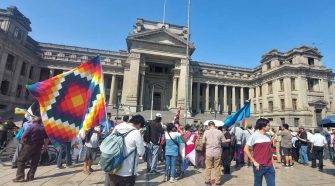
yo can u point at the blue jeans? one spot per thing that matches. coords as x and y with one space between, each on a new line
152 157
170 166
303 154
268 172
238 154
68 159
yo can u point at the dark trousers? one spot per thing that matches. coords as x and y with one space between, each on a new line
66 147
3 138
317 154
28 152
116 180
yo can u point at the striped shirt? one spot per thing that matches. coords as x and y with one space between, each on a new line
261 144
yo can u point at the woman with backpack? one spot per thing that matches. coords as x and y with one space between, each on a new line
172 141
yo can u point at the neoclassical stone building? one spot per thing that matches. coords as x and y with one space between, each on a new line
292 87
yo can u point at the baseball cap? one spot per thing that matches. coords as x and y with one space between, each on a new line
159 115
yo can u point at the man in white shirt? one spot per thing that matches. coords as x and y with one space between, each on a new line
126 175
318 143
238 132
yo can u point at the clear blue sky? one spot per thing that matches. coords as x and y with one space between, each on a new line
230 32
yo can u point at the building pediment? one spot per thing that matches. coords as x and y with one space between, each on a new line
318 103
159 36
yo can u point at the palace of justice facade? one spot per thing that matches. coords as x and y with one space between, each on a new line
292 87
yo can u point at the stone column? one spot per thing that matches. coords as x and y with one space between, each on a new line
233 99
131 82
207 98
216 97
198 98
112 91
36 73
3 61
15 79
225 99
242 96
302 88
288 95
52 73
276 100
173 97
251 98
190 90
142 89
181 83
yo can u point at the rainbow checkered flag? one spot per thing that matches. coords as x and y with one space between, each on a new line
71 101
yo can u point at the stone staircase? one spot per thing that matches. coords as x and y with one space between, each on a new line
168 116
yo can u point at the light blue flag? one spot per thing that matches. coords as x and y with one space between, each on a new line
231 120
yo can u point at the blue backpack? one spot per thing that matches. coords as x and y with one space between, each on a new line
112 152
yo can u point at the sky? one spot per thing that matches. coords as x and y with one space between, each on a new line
229 32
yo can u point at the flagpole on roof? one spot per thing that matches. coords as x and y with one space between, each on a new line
187 62
164 12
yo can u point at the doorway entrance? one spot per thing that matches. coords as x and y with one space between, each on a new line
318 115
157 101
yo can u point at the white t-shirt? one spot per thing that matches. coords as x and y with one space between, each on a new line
132 140
318 140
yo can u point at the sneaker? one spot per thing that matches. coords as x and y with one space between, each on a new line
172 180
165 179
286 166
19 180
61 167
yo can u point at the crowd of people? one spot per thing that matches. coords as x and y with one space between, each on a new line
207 147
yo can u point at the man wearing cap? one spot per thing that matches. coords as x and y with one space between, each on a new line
155 134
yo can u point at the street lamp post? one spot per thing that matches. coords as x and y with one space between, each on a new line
187 62
152 100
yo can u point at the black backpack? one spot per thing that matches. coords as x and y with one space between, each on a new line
146 134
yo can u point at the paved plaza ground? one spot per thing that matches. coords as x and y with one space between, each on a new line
50 175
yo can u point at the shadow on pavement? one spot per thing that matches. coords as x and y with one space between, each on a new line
58 174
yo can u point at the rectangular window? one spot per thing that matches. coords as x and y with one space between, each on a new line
282 104
26 94
255 108
254 92
310 61
270 106
18 91
281 81
10 62
23 69
294 104
282 120
4 87
313 84
270 88
293 84
260 90
119 84
18 33
31 71
268 65
296 122
261 107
